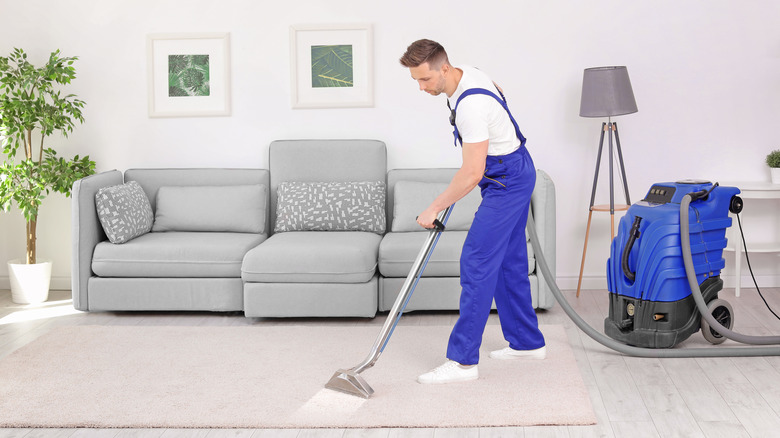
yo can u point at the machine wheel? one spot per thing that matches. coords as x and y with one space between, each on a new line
724 314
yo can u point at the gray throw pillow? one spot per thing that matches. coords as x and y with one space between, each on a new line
331 206
412 197
124 211
237 209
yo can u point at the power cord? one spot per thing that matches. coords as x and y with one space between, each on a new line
747 258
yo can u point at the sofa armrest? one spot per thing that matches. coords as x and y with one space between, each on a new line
86 231
543 210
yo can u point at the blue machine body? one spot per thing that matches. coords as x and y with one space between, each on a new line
656 254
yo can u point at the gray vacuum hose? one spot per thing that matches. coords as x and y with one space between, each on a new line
694 283
628 349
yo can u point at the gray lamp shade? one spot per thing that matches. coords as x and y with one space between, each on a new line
606 92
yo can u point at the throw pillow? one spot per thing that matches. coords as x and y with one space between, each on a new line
412 197
124 211
331 206
237 209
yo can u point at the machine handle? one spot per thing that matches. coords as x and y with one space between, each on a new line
436 224
633 234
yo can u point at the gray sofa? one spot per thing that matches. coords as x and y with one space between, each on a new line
289 273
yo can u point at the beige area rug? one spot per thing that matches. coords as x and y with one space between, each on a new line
273 377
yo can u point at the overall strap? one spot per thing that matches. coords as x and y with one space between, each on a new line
501 100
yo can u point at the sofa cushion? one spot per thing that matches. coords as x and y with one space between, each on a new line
176 254
412 197
313 257
398 252
238 209
124 211
331 206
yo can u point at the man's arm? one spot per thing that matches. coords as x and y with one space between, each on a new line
465 179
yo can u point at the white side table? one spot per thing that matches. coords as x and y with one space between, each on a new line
750 190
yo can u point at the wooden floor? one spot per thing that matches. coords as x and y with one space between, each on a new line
632 397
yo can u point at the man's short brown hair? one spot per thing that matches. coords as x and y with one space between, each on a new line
422 51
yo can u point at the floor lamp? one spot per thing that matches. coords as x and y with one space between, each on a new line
606 92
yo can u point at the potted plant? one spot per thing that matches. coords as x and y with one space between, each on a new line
31 104
773 160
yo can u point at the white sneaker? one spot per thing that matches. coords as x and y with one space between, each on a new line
510 353
450 372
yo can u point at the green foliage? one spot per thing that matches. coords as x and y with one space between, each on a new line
331 66
27 183
188 75
28 100
30 103
773 159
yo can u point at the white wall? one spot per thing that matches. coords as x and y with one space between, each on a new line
706 75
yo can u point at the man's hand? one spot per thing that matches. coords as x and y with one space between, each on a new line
426 218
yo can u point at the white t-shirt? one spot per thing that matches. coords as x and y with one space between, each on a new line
480 117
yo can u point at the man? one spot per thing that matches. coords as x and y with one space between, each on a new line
493 263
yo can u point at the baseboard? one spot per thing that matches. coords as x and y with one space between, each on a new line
57 283
564 283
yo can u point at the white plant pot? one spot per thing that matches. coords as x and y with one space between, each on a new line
29 283
775 172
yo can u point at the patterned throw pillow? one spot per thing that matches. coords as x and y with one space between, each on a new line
331 206
124 211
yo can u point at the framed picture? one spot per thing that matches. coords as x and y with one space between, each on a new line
331 66
189 74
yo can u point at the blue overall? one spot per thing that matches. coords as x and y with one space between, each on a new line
494 260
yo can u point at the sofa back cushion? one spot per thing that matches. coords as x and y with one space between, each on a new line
331 206
237 209
325 161
152 179
462 214
412 197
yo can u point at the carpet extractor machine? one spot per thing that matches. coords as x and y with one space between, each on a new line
663 276
650 302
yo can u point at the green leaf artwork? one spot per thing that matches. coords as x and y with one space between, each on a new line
188 75
331 66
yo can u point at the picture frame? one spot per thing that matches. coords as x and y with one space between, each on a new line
331 66
188 74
